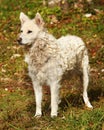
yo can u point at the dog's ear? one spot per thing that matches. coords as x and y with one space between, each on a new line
39 20
23 17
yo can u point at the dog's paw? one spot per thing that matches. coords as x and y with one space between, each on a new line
89 105
38 115
53 115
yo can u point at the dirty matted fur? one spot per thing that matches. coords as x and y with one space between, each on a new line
49 58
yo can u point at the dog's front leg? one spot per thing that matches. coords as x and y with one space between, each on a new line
38 98
54 87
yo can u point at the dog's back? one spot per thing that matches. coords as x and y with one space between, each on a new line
72 49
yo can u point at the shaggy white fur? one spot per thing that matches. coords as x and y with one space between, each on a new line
49 59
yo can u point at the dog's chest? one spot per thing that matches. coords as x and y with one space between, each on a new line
26 58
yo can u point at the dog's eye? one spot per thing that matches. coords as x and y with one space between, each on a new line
21 31
29 31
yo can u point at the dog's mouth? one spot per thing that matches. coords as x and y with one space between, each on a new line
26 46
19 40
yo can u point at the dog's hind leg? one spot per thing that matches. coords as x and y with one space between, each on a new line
85 67
38 98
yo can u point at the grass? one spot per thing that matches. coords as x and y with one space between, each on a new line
17 104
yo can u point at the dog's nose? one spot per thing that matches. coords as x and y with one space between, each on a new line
19 40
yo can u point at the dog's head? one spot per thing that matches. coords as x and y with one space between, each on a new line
30 28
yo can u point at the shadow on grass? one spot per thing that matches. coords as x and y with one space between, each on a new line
71 100
95 94
76 100
68 100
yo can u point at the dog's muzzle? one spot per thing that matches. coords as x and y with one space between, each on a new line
19 40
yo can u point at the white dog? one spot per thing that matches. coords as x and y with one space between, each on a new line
49 59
